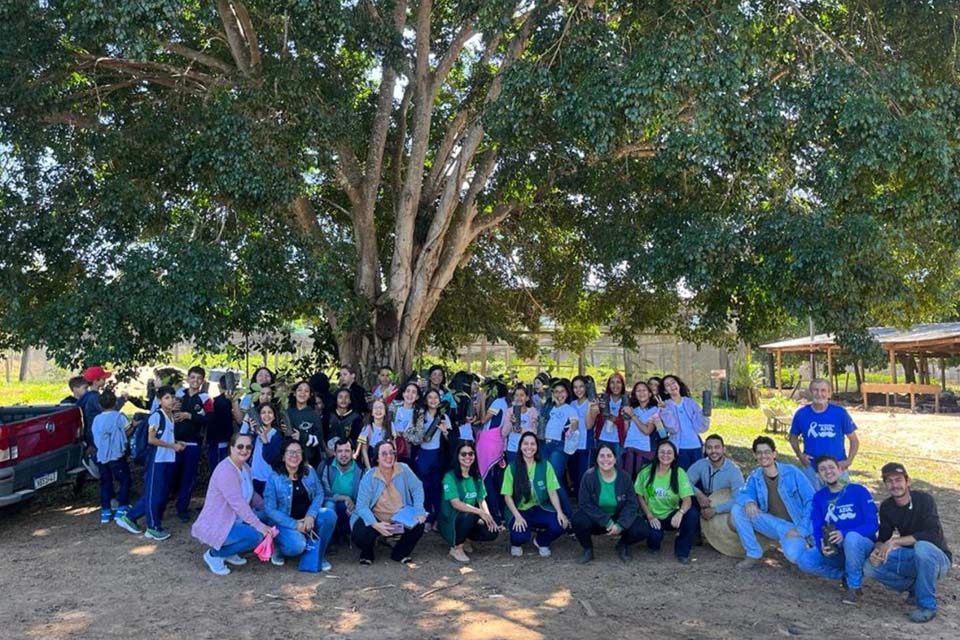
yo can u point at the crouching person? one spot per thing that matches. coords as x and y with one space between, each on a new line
464 514
293 499
341 477
227 522
844 529
917 556
607 505
389 503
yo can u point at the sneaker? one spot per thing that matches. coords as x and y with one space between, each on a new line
120 512
458 554
748 563
216 564
544 551
235 560
366 562
684 560
467 547
106 515
126 523
922 615
326 566
516 552
406 560
586 556
277 559
156 534
851 596
622 552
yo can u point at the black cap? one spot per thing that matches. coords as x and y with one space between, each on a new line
892 469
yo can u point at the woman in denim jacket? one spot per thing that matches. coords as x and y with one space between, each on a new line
293 500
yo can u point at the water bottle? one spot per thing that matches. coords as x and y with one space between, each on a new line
707 402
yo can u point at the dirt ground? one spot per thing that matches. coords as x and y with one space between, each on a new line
63 575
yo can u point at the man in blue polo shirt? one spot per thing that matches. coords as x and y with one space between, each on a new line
823 426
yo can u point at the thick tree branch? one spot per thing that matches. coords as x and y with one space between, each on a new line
249 34
199 57
71 119
234 35
450 56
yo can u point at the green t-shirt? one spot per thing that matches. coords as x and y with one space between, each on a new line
473 491
507 488
343 482
660 496
608 496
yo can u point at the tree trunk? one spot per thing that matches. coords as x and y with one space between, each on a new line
909 368
24 364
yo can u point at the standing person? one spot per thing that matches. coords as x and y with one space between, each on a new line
612 426
189 428
775 501
666 498
89 404
656 386
587 412
607 505
262 377
497 424
541 391
464 514
714 473
344 421
684 420
385 389
341 477
529 419
402 411
435 427
563 422
911 553
306 422
389 493
227 523
376 431
358 395
293 501
78 387
823 426
531 492
642 416
158 471
844 520
266 445
220 427
110 430
437 380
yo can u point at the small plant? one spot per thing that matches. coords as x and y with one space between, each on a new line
781 405
746 381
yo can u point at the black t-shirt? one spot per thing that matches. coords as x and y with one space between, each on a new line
220 425
919 519
301 501
192 430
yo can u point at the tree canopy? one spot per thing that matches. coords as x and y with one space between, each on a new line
412 172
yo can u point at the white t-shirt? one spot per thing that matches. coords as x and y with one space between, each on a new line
434 442
401 419
582 406
163 454
635 438
499 408
609 431
513 440
559 418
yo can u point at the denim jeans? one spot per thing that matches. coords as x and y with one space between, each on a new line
188 465
917 568
428 469
216 453
553 453
341 530
541 520
686 532
688 456
493 482
848 561
241 538
769 526
119 471
291 543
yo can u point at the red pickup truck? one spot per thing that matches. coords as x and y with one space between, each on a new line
40 446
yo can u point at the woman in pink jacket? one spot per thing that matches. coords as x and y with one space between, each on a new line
227 523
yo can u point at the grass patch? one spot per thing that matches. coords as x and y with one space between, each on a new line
32 393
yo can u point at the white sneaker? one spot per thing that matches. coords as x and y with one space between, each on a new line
544 551
516 552
277 559
326 566
216 564
236 560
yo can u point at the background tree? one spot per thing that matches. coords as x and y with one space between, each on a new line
389 168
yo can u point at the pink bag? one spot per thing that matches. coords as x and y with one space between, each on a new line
264 550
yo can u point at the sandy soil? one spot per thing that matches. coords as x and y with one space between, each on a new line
63 575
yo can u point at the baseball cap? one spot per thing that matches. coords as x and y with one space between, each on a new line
92 374
892 469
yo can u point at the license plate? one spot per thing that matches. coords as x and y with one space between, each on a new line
48 478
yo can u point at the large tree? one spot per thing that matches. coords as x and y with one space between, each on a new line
405 172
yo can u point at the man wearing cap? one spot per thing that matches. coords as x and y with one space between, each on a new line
844 530
824 426
89 402
917 556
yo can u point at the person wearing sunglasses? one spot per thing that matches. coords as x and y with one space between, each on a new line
294 503
227 524
464 514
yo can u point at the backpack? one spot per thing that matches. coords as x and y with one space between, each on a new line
140 443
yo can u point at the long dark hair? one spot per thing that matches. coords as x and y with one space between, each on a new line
474 471
633 396
311 399
623 383
336 399
563 382
674 466
387 419
609 447
253 378
521 479
443 382
280 467
684 389
572 396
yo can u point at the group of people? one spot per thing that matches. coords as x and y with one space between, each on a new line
477 459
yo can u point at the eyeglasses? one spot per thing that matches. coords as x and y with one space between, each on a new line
294 454
243 447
